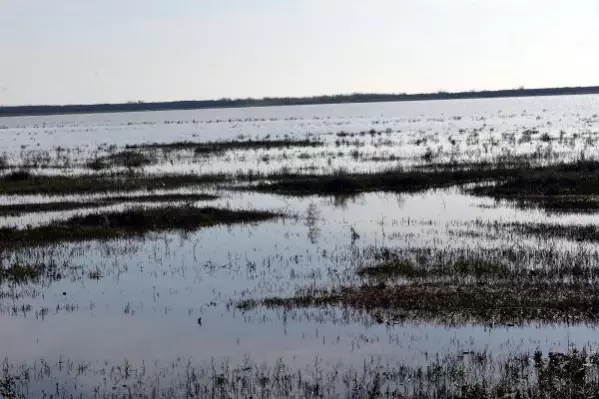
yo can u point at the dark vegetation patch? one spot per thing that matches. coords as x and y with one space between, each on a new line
462 265
19 273
218 147
561 203
391 180
579 233
459 286
540 230
18 209
127 159
24 182
454 304
129 223
564 186
576 178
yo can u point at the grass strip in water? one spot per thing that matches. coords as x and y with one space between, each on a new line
129 223
390 180
218 147
128 159
454 304
24 182
19 209
575 178
461 286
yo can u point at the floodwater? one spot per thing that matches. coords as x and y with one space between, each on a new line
170 298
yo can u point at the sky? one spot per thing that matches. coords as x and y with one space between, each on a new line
86 51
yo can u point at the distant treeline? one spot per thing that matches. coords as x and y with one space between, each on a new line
280 101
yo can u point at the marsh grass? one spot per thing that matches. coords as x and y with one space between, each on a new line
572 373
19 209
503 303
576 178
27 183
459 286
389 180
219 147
129 223
19 273
560 203
127 159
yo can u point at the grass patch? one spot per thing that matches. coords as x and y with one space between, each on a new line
19 273
218 147
565 186
127 159
461 286
130 223
462 267
546 230
576 178
391 180
27 183
19 209
455 304
560 203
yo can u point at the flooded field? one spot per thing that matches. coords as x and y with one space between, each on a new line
423 249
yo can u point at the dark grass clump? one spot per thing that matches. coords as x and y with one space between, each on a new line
18 176
461 286
455 304
127 159
561 204
576 178
512 180
130 223
219 147
539 230
580 233
19 209
86 184
391 180
429 268
19 273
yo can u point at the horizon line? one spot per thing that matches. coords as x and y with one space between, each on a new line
228 102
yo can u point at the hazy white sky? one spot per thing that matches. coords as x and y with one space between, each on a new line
85 51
